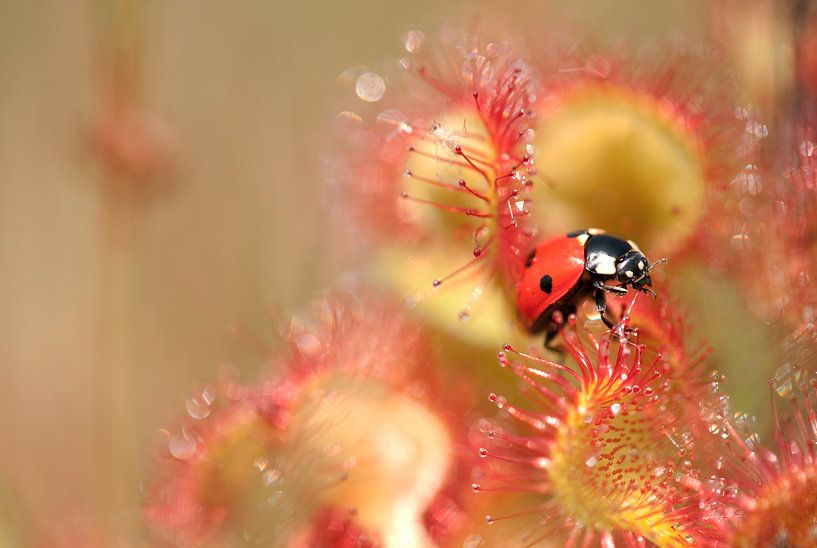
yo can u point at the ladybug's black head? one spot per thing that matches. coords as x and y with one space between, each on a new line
633 269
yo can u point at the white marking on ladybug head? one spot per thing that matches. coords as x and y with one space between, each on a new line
641 265
629 274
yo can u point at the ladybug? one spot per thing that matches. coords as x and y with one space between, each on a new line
563 271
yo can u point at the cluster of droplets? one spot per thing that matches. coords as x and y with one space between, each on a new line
227 453
772 205
770 492
737 202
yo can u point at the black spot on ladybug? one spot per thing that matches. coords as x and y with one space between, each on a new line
576 233
529 260
546 284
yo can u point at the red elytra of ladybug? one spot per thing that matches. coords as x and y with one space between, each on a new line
563 271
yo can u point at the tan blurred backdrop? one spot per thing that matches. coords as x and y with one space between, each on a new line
114 306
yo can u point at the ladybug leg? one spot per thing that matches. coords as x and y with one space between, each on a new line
601 304
601 301
550 334
554 328
617 289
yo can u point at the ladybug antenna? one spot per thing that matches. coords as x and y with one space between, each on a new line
663 260
649 290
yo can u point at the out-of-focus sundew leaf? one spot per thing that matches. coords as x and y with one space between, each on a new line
612 159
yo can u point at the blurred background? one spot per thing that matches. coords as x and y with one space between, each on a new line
160 194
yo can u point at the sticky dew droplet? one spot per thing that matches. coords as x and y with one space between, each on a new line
181 447
785 379
308 344
198 407
756 129
494 49
472 541
370 87
270 476
542 463
261 463
413 40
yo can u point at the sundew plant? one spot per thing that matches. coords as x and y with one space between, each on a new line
571 299
494 186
